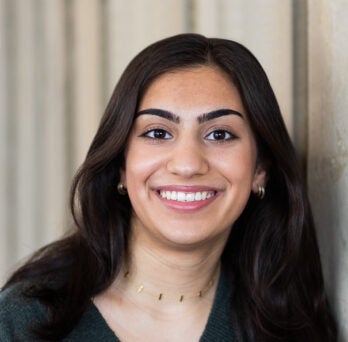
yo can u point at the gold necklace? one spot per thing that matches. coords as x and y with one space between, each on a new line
140 288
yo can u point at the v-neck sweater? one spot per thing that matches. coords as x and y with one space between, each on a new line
19 313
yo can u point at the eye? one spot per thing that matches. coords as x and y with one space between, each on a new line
220 135
157 133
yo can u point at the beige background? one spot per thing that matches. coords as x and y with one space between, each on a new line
60 59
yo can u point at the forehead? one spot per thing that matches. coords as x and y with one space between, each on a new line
205 86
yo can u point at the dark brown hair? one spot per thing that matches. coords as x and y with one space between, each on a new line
271 258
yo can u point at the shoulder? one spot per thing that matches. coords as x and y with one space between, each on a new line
18 314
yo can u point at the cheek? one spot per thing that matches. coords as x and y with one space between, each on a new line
140 165
237 165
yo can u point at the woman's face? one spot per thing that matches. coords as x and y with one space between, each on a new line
190 160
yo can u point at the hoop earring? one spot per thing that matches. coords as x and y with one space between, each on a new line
261 192
122 190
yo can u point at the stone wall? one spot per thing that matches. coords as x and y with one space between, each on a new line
328 144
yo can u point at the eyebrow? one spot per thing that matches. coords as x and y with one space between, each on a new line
216 114
160 112
201 119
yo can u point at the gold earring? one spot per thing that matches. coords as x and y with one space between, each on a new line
261 192
122 190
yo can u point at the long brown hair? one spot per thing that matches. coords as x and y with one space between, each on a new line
271 258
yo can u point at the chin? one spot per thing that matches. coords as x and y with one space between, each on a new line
179 239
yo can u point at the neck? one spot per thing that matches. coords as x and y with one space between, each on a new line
172 277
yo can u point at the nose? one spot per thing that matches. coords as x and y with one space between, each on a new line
187 159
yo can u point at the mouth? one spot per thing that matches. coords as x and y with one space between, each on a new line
186 198
181 196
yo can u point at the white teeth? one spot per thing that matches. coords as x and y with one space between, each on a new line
186 197
173 195
198 196
190 197
180 197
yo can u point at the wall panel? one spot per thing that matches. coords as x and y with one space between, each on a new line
134 25
87 60
328 145
4 229
27 132
54 179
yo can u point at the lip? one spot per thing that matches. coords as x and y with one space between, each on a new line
186 206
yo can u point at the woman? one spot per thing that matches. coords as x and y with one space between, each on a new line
209 235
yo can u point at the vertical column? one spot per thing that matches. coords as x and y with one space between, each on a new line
54 136
208 18
32 132
4 222
300 81
26 129
328 145
132 25
87 107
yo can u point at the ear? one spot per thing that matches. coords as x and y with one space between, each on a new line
260 178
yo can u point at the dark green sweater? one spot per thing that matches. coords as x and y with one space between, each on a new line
18 313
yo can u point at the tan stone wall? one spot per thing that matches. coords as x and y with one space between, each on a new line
328 144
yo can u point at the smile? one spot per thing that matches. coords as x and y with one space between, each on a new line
181 196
